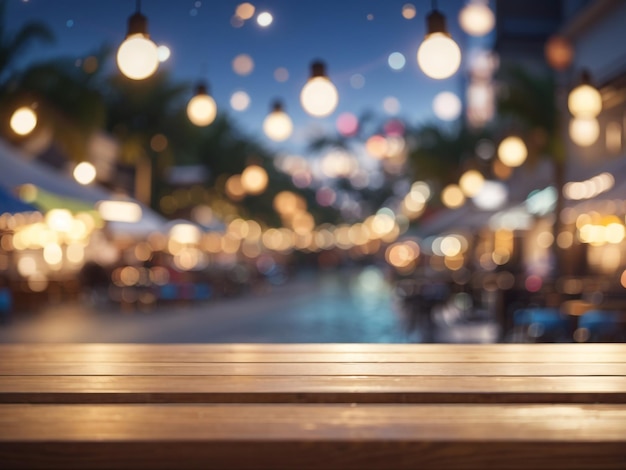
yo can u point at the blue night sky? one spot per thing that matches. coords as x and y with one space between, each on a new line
204 43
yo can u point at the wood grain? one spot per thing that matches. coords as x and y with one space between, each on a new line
313 436
314 389
311 369
320 406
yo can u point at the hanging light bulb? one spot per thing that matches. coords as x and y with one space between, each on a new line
512 151
23 120
201 109
584 131
137 56
319 96
438 56
585 100
277 125
476 18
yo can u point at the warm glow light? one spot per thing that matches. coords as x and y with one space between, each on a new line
471 182
138 57
319 96
243 64
452 196
185 234
584 101
277 125
264 19
23 121
477 19
201 109
408 11
245 11
584 131
163 53
377 146
59 220
234 189
439 56
512 151
240 100
84 173
447 106
119 211
493 195
559 52
254 179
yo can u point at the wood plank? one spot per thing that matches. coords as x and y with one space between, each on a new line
159 354
310 369
316 389
616 349
313 436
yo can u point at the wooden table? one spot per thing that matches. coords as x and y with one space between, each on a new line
313 406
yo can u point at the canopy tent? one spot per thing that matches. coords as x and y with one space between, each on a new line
17 170
12 205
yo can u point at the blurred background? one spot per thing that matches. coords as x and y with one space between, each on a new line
312 171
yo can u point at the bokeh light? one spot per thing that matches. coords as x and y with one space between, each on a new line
409 11
452 196
396 61
319 97
559 52
439 56
347 124
447 106
584 131
163 53
243 64
391 105
377 146
264 19
201 109
278 125
357 81
23 121
84 173
476 18
281 74
240 100
512 151
471 182
254 179
492 195
245 11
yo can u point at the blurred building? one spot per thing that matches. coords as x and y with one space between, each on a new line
595 167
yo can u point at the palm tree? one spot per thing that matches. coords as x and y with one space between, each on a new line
440 153
70 104
138 111
13 48
14 45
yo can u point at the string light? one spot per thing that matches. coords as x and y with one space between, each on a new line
319 96
137 56
438 56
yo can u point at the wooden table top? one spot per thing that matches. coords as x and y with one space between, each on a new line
311 406
320 373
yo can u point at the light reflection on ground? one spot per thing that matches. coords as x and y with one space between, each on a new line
339 306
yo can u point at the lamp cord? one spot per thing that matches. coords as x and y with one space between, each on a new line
434 4
138 3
